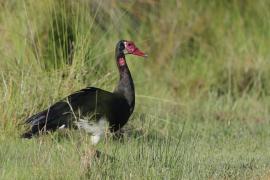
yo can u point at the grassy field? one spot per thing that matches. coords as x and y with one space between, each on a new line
202 97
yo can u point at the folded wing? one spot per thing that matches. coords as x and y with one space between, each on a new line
90 101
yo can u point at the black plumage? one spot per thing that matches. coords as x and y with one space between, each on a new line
93 103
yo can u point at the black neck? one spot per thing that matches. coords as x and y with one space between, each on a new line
125 85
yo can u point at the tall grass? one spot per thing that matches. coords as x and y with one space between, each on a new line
202 96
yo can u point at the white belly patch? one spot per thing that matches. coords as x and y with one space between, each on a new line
96 129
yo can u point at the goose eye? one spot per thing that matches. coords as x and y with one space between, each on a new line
122 46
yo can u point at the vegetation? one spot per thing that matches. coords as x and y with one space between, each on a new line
202 97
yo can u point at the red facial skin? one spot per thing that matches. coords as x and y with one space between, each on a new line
122 61
132 49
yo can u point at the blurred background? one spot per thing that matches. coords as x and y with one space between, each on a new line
197 50
208 63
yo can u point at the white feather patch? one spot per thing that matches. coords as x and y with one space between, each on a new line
96 129
62 127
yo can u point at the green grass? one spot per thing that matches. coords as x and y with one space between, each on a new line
202 97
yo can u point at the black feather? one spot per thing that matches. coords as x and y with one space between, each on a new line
88 101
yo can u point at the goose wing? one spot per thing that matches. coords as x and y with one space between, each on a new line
85 102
